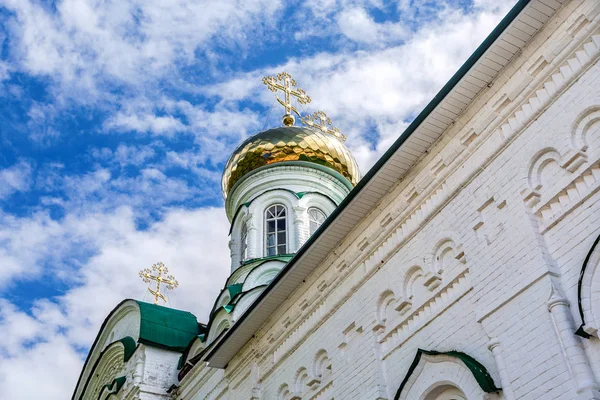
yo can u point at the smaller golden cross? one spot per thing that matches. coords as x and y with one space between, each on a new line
321 121
158 273
284 82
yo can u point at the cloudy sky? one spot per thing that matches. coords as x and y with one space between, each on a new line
116 117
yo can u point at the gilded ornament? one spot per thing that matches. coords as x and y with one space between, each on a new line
321 121
285 83
158 273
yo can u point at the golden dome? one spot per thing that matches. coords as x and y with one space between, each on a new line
289 143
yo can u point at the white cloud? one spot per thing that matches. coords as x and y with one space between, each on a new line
43 342
214 132
148 190
356 24
144 122
16 178
124 155
50 362
86 45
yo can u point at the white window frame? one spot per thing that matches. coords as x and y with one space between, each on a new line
244 242
311 220
277 231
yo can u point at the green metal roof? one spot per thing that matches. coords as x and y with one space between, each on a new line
166 327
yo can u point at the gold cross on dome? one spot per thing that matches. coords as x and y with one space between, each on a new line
158 273
321 121
284 82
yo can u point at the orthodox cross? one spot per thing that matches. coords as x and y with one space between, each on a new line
321 121
158 273
284 82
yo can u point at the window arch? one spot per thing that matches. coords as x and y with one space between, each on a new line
316 218
446 392
276 230
244 243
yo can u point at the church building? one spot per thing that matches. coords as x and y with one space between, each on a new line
463 265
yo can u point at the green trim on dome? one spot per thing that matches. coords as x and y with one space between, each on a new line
299 163
278 257
166 327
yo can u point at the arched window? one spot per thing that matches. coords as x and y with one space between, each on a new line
276 230
446 393
316 218
244 243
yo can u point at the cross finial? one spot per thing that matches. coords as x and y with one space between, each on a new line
284 82
321 121
158 273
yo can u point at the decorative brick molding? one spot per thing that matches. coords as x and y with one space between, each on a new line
409 320
314 384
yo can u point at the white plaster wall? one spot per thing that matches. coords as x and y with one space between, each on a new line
160 372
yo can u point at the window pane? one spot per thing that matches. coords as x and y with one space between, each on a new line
281 249
270 226
281 238
281 224
313 227
271 251
270 239
316 218
244 243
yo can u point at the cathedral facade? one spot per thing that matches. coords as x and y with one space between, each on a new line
461 266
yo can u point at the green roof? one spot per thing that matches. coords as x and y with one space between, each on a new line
166 327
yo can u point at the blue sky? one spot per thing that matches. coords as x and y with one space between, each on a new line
116 118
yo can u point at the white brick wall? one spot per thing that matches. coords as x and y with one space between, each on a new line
486 254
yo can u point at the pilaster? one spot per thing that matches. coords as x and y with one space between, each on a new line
577 362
